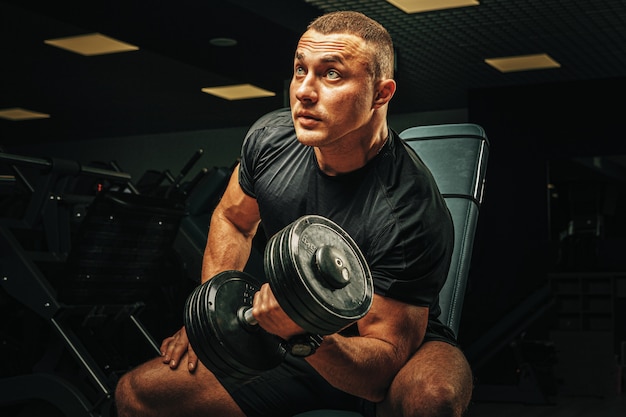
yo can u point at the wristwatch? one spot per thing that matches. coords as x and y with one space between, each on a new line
303 345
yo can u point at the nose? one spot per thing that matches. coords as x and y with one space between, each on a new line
305 88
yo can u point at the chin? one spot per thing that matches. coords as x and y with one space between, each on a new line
309 137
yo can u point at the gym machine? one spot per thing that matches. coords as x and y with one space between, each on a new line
84 253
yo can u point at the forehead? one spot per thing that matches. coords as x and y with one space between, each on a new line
342 45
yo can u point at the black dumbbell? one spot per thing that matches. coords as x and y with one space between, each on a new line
319 277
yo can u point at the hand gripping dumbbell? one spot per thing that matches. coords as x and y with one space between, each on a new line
319 277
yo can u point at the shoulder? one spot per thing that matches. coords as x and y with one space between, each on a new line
269 147
402 171
271 131
276 118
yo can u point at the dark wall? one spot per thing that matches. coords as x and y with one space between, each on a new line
530 130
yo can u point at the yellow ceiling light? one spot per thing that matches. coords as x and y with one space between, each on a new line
418 6
91 44
238 92
17 113
523 63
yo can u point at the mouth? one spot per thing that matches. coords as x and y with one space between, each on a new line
307 116
307 120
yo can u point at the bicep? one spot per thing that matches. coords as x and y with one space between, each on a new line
238 208
233 225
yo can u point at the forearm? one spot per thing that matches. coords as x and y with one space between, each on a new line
365 365
358 365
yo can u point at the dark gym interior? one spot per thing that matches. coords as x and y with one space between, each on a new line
544 315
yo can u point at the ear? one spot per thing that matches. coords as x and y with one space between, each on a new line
384 92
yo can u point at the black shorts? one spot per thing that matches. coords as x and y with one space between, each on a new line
295 387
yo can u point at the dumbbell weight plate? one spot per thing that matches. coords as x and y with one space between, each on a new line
223 342
319 302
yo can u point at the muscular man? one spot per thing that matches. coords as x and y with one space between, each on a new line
332 154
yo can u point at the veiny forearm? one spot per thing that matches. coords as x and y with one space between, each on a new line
358 365
365 365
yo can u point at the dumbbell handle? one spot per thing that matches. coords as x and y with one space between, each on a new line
330 265
245 316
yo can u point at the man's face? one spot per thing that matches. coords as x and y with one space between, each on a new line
331 92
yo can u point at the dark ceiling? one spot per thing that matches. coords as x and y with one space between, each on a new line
158 88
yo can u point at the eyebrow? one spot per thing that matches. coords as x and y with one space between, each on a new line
329 57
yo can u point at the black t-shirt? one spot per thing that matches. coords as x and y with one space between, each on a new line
391 207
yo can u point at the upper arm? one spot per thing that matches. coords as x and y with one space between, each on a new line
233 225
238 208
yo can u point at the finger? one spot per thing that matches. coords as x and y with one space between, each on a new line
192 359
256 304
178 348
164 348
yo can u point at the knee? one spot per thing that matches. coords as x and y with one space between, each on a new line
440 399
125 398
427 397
122 395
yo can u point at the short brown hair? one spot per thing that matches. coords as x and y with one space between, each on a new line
368 29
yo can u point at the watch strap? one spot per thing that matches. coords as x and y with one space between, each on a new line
296 345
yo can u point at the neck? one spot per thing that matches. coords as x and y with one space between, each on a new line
350 154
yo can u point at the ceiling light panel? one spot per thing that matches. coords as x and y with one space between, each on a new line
91 44
523 63
238 92
419 6
17 113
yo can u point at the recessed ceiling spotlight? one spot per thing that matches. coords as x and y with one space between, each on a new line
223 42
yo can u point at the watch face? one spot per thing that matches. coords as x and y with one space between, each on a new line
301 349
303 345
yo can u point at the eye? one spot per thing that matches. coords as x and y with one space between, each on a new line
332 74
299 71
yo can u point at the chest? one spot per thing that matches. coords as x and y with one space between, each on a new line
295 187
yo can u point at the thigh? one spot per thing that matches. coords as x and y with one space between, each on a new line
291 388
155 389
437 376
